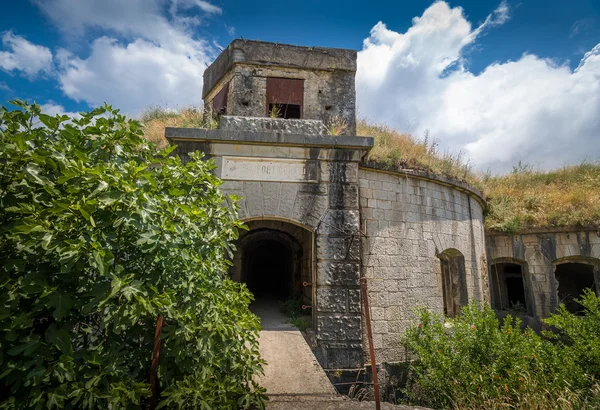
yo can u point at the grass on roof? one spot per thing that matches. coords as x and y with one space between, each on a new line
156 119
528 198
397 150
525 198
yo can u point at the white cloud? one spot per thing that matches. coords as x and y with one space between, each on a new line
4 86
51 108
24 56
134 76
160 62
531 109
208 7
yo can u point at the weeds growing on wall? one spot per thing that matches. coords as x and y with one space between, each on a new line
102 234
473 362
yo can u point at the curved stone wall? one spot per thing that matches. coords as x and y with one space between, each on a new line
421 237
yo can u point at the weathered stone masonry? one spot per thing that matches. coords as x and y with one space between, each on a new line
408 221
327 207
539 253
417 238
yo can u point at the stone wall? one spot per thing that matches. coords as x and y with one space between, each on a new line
407 223
539 252
326 93
326 204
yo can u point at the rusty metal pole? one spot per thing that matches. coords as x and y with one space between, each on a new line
154 365
365 298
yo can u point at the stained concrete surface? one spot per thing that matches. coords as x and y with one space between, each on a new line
293 377
291 366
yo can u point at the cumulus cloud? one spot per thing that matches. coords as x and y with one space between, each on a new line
51 108
532 109
133 76
24 56
159 62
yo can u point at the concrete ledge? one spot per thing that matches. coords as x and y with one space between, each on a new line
263 138
543 230
266 124
429 176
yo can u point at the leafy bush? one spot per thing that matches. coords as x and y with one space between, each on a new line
101 235
473 362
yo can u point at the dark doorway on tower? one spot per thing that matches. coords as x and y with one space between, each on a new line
573 278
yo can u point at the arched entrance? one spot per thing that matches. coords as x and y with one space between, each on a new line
510 286
454 281
275 260
573 275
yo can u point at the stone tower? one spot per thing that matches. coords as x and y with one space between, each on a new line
251 78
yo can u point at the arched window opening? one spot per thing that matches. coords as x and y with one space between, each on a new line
509 289
573 278
454 281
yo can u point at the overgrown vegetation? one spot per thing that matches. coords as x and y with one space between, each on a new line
299 317
471 362
156 119
526 198
102 235
398 150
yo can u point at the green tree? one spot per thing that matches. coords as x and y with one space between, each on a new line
101 234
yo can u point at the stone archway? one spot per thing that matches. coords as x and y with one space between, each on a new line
573 274
275 260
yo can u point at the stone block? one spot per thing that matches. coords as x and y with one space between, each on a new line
345 248
354 301
339 327
271 196
338 273
343 196
332 300
254 198
341 222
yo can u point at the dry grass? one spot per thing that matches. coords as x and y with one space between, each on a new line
398 150
156 119
526 198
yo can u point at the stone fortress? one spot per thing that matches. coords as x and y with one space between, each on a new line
321 217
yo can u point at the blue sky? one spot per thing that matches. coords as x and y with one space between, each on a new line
501 81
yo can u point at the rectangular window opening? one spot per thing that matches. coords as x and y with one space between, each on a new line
287 111
285 97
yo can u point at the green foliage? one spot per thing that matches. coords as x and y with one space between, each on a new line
299 317
100 234
291 307
474 362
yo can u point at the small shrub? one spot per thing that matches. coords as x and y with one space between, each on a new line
336 125
474 362
299 317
